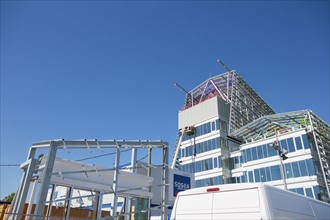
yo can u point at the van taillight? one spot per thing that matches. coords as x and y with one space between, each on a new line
213 189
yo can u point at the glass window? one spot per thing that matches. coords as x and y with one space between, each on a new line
298 143
203 146
251 180
198 183
257 175
254 153
210 163
198 150
293 190
263 177
310 167
219 161
243 179
215 162
206 165
220 179
268 174
182 152
198 166
259 152
309 192
276 173
213 125
271 151
290 145
284 144
191 150
303 168
305 141
288 170
300 191
218 142
317 192
264 149
248 155
206 182
295 169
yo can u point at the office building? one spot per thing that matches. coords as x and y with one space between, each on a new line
229 134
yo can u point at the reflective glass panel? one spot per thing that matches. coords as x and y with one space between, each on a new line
288 170
257 175
305 141
309 192
290 145
263 177
259 152
300 191
284 144
295 169
265 150
310 167
303 168
276 173
254 153
298 143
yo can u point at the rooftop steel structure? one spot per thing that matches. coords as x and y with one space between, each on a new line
246 104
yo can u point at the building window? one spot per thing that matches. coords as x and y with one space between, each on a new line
251 180
288 170
309 192
305 141
295 169
290 145
310 167
303 168
298 143
276 173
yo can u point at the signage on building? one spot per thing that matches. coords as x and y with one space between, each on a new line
180 183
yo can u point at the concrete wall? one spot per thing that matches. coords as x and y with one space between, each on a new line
205 110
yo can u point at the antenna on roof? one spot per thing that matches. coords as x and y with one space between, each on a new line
224 66
182 89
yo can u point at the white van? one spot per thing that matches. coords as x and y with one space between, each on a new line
246 201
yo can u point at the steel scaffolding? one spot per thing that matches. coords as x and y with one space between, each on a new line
245 104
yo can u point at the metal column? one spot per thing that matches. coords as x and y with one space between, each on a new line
115 183
164 182
25 185
133 160
45 181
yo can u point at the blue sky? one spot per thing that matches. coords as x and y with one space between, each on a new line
106 69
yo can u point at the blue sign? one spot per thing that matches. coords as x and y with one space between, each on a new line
180 183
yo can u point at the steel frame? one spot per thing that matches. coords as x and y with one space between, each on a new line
29 168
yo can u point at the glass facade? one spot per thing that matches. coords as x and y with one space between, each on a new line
207 128
202 165
265 150
273 173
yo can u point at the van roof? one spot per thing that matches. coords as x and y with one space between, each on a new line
224 187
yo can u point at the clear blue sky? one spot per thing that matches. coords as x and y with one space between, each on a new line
106 69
